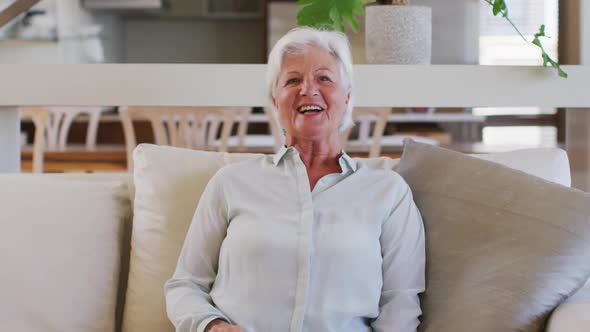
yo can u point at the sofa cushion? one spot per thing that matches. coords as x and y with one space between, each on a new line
548 163
168 184
60 245
572 315
503 248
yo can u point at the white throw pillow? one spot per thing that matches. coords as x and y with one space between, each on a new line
169 182
548 163
60 252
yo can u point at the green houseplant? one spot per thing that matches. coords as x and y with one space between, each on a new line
334 14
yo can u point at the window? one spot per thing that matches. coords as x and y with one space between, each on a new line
499 44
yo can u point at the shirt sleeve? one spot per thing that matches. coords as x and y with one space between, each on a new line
188 303
403 251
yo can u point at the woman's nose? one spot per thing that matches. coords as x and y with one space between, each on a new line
308 88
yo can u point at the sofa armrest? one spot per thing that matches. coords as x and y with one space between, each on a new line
572 315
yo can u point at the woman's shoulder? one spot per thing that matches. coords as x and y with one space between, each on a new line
242 165
385 178
384 170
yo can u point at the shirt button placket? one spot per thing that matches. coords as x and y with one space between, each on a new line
304 245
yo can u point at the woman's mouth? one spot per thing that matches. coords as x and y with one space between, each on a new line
307 109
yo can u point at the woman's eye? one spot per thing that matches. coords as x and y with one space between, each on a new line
325 79
291 81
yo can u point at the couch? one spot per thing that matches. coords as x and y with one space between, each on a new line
90 252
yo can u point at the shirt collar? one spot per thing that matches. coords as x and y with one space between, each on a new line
280 154
345 161
351 163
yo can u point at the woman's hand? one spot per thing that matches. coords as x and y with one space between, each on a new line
219 325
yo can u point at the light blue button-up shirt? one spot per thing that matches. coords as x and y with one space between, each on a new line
268 254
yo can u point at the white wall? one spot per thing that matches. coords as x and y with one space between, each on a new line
35 50
12 51
74 22
193 40
455 30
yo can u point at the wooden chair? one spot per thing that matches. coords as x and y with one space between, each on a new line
187 127
253 142
371 126
61 119
244 142
40 117
275 130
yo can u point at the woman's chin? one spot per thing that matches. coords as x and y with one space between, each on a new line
311 131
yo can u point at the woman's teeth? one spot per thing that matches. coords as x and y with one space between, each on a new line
309 109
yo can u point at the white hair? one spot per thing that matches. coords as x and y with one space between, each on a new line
297 41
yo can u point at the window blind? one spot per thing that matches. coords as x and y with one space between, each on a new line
528 15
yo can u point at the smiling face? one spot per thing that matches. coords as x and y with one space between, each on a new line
310 94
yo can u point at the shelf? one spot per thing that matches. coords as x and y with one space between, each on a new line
436 118
244 85
27 42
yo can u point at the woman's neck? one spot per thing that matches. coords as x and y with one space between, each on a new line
317 153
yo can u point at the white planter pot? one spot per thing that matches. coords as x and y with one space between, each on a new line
398 34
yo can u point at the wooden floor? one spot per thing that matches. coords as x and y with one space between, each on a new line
102 160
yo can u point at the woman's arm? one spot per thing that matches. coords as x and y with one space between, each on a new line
403 251
188 303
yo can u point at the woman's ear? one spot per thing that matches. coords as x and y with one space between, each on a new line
347 98
274 102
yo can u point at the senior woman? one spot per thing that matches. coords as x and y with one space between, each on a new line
308 239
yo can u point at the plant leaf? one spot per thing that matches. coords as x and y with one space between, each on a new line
347 9
330 14
359 8
504 9
354 24
336 17
546 58
316 14
304 2
499 7
541 32
496 7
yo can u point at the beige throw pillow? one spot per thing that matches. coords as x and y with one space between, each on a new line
168 184
504 248
60 252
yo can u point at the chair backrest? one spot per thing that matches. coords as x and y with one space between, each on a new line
367 139
275 129
244 117
60 122
40 118
188 127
